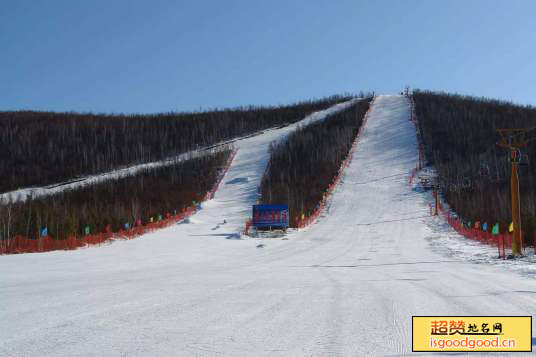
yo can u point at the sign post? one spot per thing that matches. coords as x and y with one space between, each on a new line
270 216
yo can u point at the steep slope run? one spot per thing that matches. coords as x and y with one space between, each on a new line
347 285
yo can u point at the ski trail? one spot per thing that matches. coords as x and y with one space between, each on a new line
238 191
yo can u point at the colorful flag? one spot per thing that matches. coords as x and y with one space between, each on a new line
495 229
44 232
511 227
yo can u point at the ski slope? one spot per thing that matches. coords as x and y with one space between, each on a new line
345 286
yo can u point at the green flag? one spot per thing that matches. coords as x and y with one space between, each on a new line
159 217
495 229
86 230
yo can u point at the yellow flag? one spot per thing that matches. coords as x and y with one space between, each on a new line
511 227
302 216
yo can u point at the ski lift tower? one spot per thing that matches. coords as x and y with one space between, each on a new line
514 140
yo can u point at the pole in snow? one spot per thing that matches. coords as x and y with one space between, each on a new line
513 140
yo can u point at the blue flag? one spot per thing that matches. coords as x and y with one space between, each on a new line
485 227
126 226
44 232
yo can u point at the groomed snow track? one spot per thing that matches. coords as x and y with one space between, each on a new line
345 286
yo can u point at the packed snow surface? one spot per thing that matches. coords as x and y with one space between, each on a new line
345 286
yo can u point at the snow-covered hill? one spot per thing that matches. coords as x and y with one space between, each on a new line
347 285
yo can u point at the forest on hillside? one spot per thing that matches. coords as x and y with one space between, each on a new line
460 140
301 168
42 148
148 195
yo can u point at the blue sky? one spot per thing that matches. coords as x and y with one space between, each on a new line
157 56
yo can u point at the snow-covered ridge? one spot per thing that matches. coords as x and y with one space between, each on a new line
23 194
